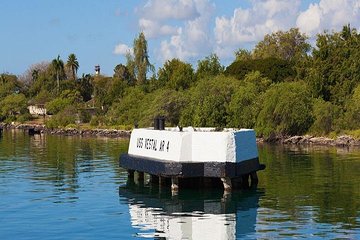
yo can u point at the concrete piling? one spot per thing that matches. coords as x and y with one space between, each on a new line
227 183
174 184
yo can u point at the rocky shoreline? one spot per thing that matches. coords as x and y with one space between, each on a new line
341 141
113 133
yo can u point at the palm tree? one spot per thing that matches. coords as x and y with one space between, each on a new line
73 64
58 65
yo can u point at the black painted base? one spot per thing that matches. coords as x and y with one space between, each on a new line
190 169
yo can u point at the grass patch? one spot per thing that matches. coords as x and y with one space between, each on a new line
354 133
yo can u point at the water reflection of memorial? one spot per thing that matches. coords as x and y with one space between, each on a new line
191 214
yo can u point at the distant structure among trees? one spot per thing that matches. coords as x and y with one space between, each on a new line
97 70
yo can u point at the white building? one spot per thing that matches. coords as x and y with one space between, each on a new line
37 109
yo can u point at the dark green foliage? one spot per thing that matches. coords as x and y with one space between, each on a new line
286 110
277 70
42 97
9 84
12 105
128 109
139 63
67 98
243 55
289 45
209 101
67 84
107 90
247 101
73 64
65 117
352 115
325 115
163 102
335 67
209 67
56 105
176 75
123 73
57 66
12 100
85 87
44 81
115 90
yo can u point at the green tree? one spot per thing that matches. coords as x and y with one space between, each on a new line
101 87
127 110
43 82
107 90
64 117
352 115
123 73
176 75
42 97
247 100
67 98
209 101
209 67
242 55
12 105
58 66
165 102
33 73
289 45
85 87
115 90
73 64
325 115
287 110
334 71
9 84
141 63
275 69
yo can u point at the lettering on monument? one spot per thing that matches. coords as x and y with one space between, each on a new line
153 144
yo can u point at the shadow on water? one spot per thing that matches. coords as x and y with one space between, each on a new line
191 214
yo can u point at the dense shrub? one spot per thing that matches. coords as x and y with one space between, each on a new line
324 115
286 110
209 101
277 70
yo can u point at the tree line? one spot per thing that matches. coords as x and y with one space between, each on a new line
282 87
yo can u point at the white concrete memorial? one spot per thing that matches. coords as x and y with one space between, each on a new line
194 152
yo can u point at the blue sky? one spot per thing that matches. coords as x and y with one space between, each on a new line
102 31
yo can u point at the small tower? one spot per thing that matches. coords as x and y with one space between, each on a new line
97 70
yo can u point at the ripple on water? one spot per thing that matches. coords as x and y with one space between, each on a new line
72 188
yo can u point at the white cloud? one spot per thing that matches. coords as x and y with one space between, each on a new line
169 9
153 29
193 39
309 21
190 30
329 15
122 49
248 26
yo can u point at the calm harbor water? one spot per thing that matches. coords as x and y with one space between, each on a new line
57 187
